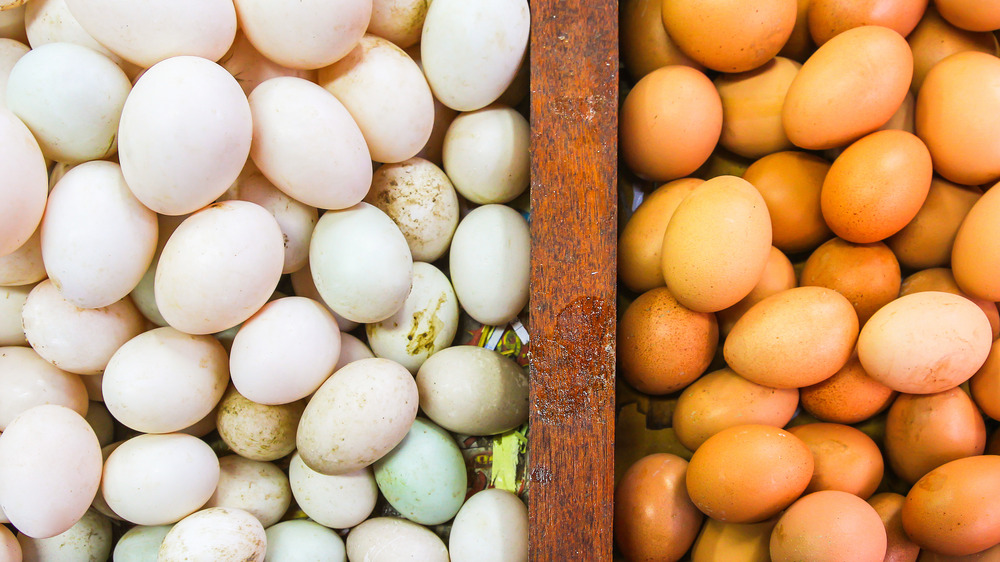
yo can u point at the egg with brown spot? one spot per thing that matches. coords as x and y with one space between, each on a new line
844 458
828 18
866 274
849 396
778 276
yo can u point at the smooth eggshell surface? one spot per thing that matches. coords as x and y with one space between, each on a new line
24 265
12 301
927 240
492 526
399 21
747 542
384 539
25 186
336 501
974 260
485 153
27 380
11 50
215 533
250 68
141 543
845 458
828 526
88 539
751 108
301 539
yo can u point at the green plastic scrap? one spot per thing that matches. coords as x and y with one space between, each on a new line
507 449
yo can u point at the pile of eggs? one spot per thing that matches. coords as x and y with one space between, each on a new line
810 271
166 167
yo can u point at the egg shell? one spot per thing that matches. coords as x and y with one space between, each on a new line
794 338
975 263
942 279
250 68
11 50
471 51
670 122
926 241
25 187
101 422
303 286
925 342
491 526
933 39
970 15
50 21
848 88
12 23
746 542
471 390
259 488
258 431
27 380
141 543
848 396
716 244
24 265
50 468
950 509
11 302
844 458
899 547
399 21
10 549
867 275
357 416
828 18
778 276
489 261
985 384
383 539
88 539
215 533
485 153
351 349
827 526
303 538
645 45
751 108
925 431
337 501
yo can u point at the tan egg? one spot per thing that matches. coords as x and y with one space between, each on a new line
670 123
799 45
716 244
925 431
876 186
645 45
975 261
733 542
748 473
641 241
257 431
849 396
751 108
250 68
972 15
934 39
723 399
848 88
794 338
899 547
24 265
662 345
259 488
828 18
958 117
941 279
845 459
926 241
722 163
778 275
829 526
399 21
985 384
790 183
727 35
904 118
867 274
925 342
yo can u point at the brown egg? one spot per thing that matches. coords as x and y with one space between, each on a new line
645 45
849 396
793 339
779 275
722 399
953 509
927 239
654 518
993 443
733 542
844 458
925 342
829 526
899 547
876 186
934 39
730 35
941 279
799 45
958 117
867 274
924 431
975 257
670 123
663 346
828 18
985 384
748 473
790 183
904 118
634 439
723 163
991 554
751 108
973 15
716 244
641 240
848 88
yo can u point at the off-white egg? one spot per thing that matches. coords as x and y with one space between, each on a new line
258 431
351 350
10 549
185 134
93 385
88 539
140 543
27 380
443 116
50 21
301 540
357 416
203 426
399 21
259 488
384 539
11 302
159 479
214 534
11 51
101 422
50 468
24 265
471 49
25 185
360 263
491 526
490 263
144 295
146 32
306 142
250 68
336 501
164 380
304 286
12 24
486 154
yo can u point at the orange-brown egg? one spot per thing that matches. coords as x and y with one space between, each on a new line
845 459
730 35
876 186
748 473
848 88
779 275
934 39
670 123
829 526
799 45
993 443
899 547
953 509
722 163
974 15
751 108
904 118
927 239
849 396
793 339
828 18
975 256
645 45
985 384
662 345
991 554
941 279
867 274
790 183
733 542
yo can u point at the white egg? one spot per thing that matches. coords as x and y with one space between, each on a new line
306 142
386 539
305 34
486 154
24 265
10 549
399 21
443 116
11 51
140 543
88 539
471 49
258 431
204 426
303 286
27 380
26 183
491 526
357 416
250 68
259 488
352 349
425 324
146 32
50 468
301 540
101 422
214 534
185 134
159 479
219 267
144 295
386 94
336 501
361 263
490 264
11 302
50 21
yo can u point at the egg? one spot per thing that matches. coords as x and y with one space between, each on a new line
258 431
88 539
827 526
25 187
12 23
778 276
399 21
101 422
751 108
645 45
848 396
828 18
974 262
933 39
844 458
303 286
899 547
926 241
985 383
259 488
739 542
215 533
50 21
27 380
303 538
492 521
799 45
942 279
12 300
868 275
485 153
970 15
9 547
24 265
383 539
337 501
141 543
250 68
11 50
351 349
